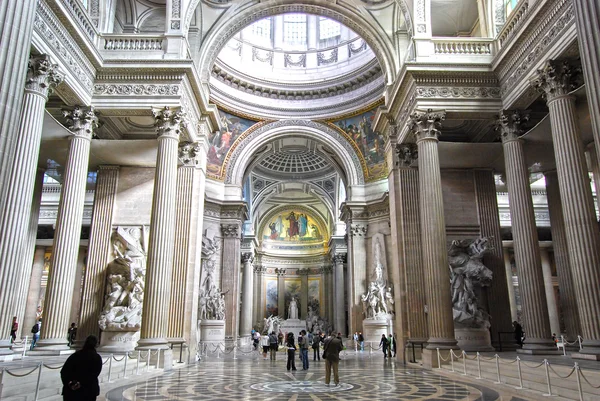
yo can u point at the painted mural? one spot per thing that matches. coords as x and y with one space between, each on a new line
271 299
370 143
292 289
314 295
293 225
220 141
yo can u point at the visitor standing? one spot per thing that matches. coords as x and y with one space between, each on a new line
13 330
35 330
518 333
72 333
304 349
355 339
383 343
316 345
291 352
331 353
273 345
394 344
361 340
390 341
264 342
80 372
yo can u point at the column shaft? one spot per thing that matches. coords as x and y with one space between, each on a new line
247 295
568 300
509 285
527 254
33 296
302 313
65 248
230 278
77 286
549 288
340 317
595 168
358 266
433 239
98 251
160 246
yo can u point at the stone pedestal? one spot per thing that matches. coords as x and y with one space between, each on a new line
374 328
212 331
293 325
118 341
472 340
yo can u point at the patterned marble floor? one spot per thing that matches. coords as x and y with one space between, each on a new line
362 378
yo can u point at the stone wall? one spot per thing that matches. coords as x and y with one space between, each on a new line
134 196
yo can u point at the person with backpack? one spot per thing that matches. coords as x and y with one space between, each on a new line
35 330
316 345
303 343
80 372
13 330
273 344
332 347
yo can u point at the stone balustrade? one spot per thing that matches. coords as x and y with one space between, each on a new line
134 42
81 16
463 46
514 21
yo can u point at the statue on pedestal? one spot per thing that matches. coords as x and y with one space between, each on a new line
293 309
378 301
212 300
125 277
468 275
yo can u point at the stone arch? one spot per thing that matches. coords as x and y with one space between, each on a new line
235 20
240 154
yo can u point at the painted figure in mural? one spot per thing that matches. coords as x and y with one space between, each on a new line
314 231
274 232
302 224
279 225
293 230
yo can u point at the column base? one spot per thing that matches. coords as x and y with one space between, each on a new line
539 346
52 344
152 343
588 357
539 351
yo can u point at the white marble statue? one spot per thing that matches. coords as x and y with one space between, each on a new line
293 309
468 275
378 301
211 305
124 291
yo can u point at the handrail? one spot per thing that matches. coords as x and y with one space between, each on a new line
309 51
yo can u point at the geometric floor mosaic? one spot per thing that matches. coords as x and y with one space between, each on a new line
361 378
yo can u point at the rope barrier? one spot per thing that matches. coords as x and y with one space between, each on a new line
562 377
23 375
119 360
586 380
536 366
52 368
548 378
107 359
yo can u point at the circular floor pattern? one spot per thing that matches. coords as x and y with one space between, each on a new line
258 380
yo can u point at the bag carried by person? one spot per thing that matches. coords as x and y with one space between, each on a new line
35 328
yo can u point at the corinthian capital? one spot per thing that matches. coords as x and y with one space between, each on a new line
247 257
188 153
42 75
426 124
168 121
230 230
339 259
407 153
510 124
358 230
81 121
555 78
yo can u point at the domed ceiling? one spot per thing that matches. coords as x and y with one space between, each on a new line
296 65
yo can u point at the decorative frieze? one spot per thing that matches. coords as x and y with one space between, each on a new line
137 89
459 92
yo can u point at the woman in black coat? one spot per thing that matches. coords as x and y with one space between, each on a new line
80 373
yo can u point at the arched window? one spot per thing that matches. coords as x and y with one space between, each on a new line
294 29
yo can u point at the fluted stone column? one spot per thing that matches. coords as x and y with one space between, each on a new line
409 236
28 252
509 285
42 76
247 294
595 168
426 128
35 285
339 309
281 293
568 302
489 221
98 252
587 21
230 277
549 288
258 310
357 280
77 288
16 28
59 291
329 293
159 265
527 252
183 307
581 226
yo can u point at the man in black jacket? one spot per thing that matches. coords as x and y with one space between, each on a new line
80 373
331 352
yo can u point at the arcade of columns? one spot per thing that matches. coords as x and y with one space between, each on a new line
417 220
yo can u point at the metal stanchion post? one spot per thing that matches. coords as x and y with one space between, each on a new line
478 366
234 352
1 379
370 349
520 375
579 389
137 367
37 386
180 353
110 358
218 349
548 378
438 357
25 346
125 367
451 361
464 355
498 368
157 358
562 339
148 360
579 340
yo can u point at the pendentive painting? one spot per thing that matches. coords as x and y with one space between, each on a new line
220 141
293 225
370 143
314 295
271 298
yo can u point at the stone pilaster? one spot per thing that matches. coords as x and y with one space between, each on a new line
258 312
406 209
59 291
581 226
42 76
549 288
527 253
159 266
426 127
357 280
230 276
329 294
247 294
489 222
509 285
98 251
568 302
339 311
183 307
587 21
35 286
16 28
28 252
281 292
